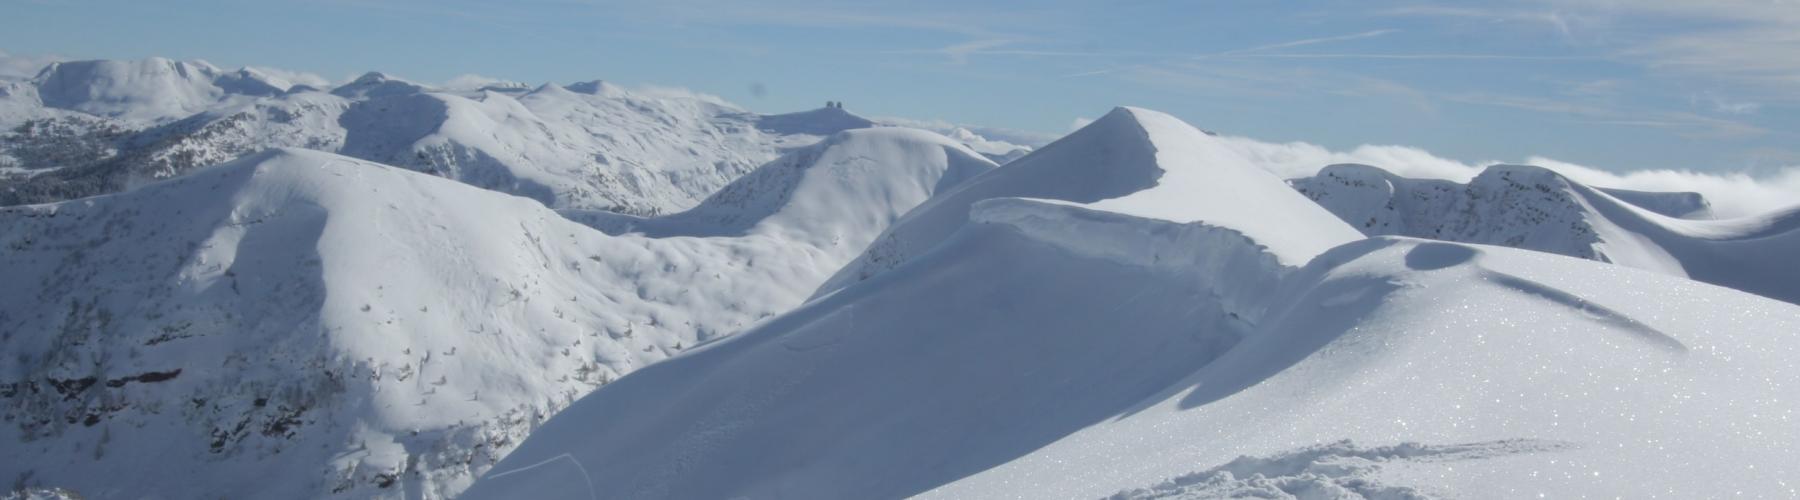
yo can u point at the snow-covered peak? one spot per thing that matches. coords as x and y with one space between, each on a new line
1133 162
148 89
596 87
376 84
840 193
823 121
251 82
1205 181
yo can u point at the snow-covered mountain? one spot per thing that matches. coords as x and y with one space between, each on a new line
92 127
151 89
311 324
1537 209
1131 161
1107 316
222 283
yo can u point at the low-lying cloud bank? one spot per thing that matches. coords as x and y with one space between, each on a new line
1731 194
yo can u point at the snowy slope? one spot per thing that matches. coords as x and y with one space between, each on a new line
1131 161
306 323
1053 351
1536 209
1445 370
868 355
72 155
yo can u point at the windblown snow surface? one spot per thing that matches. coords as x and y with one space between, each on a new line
1536 209
299 324
1124 332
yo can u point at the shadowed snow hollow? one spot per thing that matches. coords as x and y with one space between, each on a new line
306 323
1536 209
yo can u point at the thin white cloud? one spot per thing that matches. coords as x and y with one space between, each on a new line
294 77
1742 42
1720 104
817 14
471 81
960 53
1004 135
1688 124
1561 22
1098 72
1423 57
1315 41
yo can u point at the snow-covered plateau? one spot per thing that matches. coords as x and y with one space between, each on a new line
223 284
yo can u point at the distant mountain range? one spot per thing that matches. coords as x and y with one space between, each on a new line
91 127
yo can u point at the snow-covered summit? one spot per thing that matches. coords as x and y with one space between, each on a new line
376 84
823 121
251 82
596 87
1133 162
849 187
149 89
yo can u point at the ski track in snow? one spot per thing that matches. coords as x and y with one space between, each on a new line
1334 471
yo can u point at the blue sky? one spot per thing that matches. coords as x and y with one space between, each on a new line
1704 85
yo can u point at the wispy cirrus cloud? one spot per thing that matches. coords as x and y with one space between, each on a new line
959 53
1684 123
1753 43
1562 22
1416 57
1314 41
1721 104
821 14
